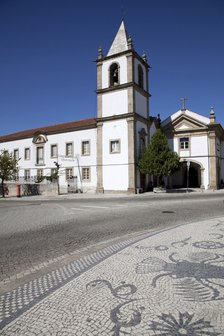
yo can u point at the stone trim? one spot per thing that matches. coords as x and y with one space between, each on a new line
99 75
138 117
116 117
126 52
130 100
99 106
130 72
100 188
131 155
213 169
122 87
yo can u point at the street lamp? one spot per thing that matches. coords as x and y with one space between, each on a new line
188 167
57 172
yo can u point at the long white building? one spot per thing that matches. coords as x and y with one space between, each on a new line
101 154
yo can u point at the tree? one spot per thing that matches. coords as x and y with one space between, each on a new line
157 158
8 168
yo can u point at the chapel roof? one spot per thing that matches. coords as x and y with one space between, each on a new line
188 113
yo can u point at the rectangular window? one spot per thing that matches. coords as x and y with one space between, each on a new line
16 154
54 151
69 173
27 153
26 174
40 155
85 147
184 143
86 174
40 172
69 149
114 146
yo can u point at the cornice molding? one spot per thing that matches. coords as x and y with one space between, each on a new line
122 87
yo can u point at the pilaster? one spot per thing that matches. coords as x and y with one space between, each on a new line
100 188
131 154
99 75
99 106
213 177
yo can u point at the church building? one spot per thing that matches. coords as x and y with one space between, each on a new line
101 154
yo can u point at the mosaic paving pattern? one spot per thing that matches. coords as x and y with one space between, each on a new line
167 284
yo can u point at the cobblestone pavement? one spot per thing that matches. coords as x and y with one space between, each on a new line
168 283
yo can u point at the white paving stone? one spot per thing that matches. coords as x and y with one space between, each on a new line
171 283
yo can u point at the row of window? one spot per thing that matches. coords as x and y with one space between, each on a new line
69 150
68 173
54 151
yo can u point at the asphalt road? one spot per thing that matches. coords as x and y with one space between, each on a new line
34 235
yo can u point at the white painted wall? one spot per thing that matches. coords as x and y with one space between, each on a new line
122 61
60 139
140 104
115 166
115 103
199 145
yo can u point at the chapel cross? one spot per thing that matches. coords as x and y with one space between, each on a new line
183 103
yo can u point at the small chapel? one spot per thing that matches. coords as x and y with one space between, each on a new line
101 154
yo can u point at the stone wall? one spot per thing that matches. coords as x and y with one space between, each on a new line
33 189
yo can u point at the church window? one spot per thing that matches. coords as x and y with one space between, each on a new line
69 149
27 153
115 146
86 173
142 145
69 173
140 76
142 140
40 155
26 174
40 172
16 154
114 74
184 143
54 151
86 147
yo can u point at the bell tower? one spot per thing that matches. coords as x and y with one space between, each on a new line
122 102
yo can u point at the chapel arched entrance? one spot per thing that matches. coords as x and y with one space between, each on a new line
195 178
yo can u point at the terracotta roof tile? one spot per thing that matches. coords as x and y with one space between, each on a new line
58 128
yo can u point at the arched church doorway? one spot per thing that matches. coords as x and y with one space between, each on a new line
194 176
179 179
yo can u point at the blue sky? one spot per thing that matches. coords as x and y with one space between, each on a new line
48 49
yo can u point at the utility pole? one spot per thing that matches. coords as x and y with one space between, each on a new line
57 172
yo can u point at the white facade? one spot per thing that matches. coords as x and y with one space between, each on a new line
76 161
101 154
197 140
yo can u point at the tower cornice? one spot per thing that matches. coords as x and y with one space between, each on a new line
130 52
122 87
